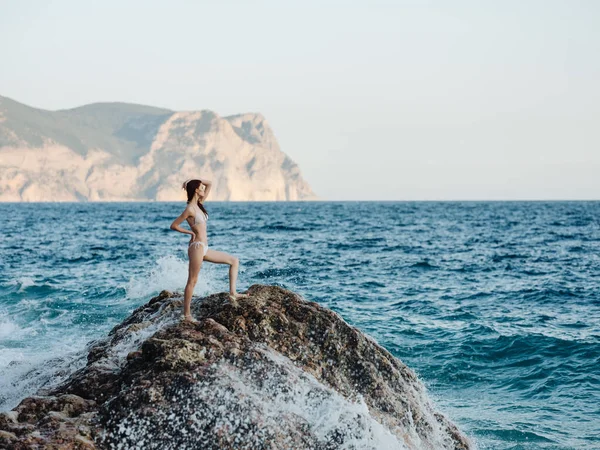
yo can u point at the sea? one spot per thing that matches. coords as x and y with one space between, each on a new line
494 305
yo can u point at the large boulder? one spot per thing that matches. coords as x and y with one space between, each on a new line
274 372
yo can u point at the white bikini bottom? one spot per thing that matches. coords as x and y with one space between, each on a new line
196 244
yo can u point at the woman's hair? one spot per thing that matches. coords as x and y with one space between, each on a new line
190 186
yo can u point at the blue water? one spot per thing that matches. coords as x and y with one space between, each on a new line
495 305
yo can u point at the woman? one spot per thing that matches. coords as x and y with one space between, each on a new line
198 250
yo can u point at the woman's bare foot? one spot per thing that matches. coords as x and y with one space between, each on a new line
235 296
188 318
233 301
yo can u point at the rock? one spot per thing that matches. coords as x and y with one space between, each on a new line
62 421
277 372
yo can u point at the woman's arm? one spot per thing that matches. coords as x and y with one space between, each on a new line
208 185
184 215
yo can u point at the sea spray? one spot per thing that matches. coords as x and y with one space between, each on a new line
52 355
171 273
251 405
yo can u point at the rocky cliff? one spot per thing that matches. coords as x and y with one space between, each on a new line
274 372
122 152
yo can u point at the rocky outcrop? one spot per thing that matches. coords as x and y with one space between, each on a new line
119 152
274 372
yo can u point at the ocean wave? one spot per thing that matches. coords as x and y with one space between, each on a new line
8 329
524 350
22 283
281 227
499 257
516 436
283 272
460 315
25 373
424 265
171 273
372 284
396 248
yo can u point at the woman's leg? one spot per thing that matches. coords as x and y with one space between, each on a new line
195 257
217 257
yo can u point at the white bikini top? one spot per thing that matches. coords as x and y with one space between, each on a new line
200 216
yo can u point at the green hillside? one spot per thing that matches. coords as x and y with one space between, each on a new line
122 129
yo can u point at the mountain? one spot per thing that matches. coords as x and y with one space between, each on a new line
274 372
127 152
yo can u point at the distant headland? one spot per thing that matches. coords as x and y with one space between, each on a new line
129 152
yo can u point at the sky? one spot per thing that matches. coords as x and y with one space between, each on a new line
375 100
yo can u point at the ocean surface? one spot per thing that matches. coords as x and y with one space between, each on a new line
495 305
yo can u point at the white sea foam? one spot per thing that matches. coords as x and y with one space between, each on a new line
170 273
23 283
24 369
282 398
7 329
326 414
48 357
117 354
23 374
